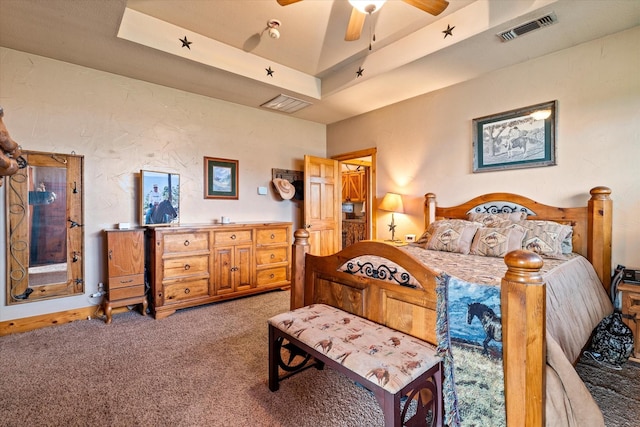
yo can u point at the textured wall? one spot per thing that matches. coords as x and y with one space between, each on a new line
425 143
121 126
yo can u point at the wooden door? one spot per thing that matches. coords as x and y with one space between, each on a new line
322 206
125 253
223 260
242 259
233 269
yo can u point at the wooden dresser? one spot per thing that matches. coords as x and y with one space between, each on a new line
192 265
125 270
630 293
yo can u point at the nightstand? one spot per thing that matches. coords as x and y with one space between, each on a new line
630 297
125 269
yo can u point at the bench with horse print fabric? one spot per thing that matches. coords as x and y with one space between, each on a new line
387 362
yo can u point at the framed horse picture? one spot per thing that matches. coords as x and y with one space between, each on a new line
522 138
159 198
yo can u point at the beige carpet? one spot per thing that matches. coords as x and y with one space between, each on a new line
205 366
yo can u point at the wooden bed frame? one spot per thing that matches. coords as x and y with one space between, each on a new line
317 279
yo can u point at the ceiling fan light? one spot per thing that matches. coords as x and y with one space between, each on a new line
367 6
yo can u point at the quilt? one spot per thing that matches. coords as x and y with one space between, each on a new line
469 332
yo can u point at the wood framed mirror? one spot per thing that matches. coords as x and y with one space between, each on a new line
45 236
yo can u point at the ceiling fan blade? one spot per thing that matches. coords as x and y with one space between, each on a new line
354 28
434 7
287 2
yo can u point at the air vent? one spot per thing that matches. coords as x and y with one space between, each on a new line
286 104
527 27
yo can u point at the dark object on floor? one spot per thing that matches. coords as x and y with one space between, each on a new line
612 342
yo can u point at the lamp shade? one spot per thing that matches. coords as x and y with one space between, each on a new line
392 202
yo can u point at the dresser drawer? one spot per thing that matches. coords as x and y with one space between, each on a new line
271 236
181 242
271 255
186 266
271 275
123 281
176 292
128 292
232 237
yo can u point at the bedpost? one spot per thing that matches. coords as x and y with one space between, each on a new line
523 333
429 209
300 249
599 233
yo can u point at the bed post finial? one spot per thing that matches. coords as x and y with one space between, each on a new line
599 233
429 209
522 296
300 249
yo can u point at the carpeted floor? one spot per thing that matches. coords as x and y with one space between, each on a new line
202 366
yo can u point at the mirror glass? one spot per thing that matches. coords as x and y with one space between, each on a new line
48 223
44 226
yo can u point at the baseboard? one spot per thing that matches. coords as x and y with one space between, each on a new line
44 320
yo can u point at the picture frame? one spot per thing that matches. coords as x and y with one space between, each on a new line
159 198
516 139
220 178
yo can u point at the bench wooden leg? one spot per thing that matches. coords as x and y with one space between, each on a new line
273 360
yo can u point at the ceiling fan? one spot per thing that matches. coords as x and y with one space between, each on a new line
362 8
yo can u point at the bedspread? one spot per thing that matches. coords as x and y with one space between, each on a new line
469 332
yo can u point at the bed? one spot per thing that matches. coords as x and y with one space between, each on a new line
544 326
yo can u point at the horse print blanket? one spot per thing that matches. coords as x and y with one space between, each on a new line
469 331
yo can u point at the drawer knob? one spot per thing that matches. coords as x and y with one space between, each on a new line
187 290
271 276
186 243
126 281
187 266
233 237
273 256
273 236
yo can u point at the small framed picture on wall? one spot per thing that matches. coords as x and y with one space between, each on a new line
220 178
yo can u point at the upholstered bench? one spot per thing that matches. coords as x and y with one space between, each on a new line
387 362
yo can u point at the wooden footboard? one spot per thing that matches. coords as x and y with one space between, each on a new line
523 293
412 311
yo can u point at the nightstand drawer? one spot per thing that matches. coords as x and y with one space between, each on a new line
182 242
128 292
186 266
176 292
232 237
271 255
123 281
273 236
271 275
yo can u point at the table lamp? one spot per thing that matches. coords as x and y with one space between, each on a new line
392 202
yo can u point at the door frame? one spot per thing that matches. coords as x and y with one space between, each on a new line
371 200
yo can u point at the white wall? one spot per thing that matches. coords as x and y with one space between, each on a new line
425 143
121 126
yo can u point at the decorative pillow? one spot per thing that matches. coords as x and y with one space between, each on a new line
434 225
545 237
495 219
497 242
567 243
453 237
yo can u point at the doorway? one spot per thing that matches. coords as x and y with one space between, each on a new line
359 179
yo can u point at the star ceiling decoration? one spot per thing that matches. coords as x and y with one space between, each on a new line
448 31
359 72
269 71
186 43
